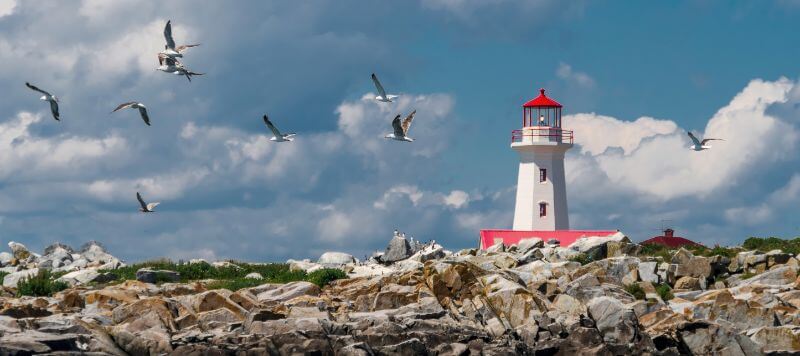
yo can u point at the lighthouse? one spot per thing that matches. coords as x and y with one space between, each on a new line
541 207
541 188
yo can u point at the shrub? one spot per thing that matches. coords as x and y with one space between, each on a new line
2 276
664 291
40 285
656 250
773 243
322 277
581 258
235 284
635 290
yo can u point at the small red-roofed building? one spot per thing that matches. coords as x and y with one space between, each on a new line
670 240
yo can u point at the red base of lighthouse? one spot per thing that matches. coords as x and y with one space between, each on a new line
513 237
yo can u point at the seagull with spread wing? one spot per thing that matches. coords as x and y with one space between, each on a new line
170 50
278 136
172 65
47 97
145 207
401 128
381 92
701 145
135 105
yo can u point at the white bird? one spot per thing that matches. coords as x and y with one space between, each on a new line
170 50
146 208
171 65
135 105
47 97
381 93
278 136
701 145
401 129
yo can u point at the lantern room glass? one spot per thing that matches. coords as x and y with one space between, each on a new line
541 116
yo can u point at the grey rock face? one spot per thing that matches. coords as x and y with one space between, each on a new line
398 250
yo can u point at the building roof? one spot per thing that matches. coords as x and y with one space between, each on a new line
542 101
513 237
669 240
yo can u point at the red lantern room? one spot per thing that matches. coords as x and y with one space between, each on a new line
541 111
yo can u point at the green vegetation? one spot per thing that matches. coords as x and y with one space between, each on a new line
635 290
3 275
581 258
746 275
664 291
231 276
666 253
41 285
772 243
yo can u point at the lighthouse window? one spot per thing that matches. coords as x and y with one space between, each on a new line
542 175
542 210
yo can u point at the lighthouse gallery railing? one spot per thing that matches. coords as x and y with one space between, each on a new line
536 133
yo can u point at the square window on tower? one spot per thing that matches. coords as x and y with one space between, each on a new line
542 210
542 175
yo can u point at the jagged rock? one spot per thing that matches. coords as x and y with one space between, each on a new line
779 276
695 266
584 244
336 258
12 279
527 244
304 265
148 275
687 283
254 275
398 249
648 272
19 251
5 258
277 293
779 338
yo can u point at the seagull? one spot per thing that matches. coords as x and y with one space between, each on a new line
136 105
401 129
701 145
47 97
169 49
172 65
278 136
146 208
381 93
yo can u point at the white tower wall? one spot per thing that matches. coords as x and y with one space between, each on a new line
535 153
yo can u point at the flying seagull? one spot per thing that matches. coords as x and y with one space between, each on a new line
278 136
146 208
171 65
381 93
170 50
135 105
701 145
401 129
47 97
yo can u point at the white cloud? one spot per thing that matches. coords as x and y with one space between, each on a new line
597 133
566 72
7 7
457 199
661 164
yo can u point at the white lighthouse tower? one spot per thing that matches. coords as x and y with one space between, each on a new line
541 188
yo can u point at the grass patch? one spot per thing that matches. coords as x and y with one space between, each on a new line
664 291
581 258
746 275
635 290
230 277
773 243
655 250
41 285
3 275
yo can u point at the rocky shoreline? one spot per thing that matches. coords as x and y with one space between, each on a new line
600 296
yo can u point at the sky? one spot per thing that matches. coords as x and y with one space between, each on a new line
633 78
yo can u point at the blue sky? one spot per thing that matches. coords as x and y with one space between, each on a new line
633 76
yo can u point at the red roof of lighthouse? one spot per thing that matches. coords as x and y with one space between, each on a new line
542 101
